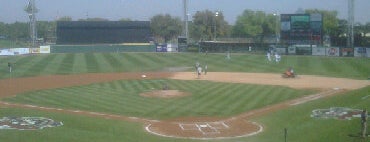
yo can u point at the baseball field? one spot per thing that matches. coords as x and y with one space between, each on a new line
157 97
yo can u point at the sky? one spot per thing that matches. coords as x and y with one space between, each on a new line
49 10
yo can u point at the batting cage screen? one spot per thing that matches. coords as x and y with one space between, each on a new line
100 32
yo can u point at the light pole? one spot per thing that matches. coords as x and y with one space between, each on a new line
276 28
216 15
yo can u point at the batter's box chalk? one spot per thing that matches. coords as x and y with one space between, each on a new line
188 126
218 125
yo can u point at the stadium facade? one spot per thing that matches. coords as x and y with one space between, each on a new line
103 32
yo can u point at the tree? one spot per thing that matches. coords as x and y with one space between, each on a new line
207 24
330 21
65 18
165 27
125 19
17 31
94 19
29 9
46 29
255 24
2 29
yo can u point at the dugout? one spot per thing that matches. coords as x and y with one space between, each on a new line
102 32
231 46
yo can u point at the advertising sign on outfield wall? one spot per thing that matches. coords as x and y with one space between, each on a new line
45 49
291 50
318 51
14 51
34 50
347 52
161 48
360 52
281 51
6 52
332 51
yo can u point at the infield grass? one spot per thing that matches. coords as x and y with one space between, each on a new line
122 97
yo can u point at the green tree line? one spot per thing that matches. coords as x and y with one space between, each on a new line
206 25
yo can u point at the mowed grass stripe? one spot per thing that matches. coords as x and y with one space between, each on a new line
357 68
245 99
32 67
237 92
91 63
215 99
66 65
113 62
180 60
104 65
94 101
203 94
42 66
79 64
208 98
148 64
211 98
259 99
137 63
174 109
157 59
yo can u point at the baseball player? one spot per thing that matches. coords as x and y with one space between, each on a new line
268 55
199 71
10 67
364 123
205 69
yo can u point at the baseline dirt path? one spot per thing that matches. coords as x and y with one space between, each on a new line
195 128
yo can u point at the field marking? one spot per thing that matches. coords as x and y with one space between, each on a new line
314 97
365 97
260 129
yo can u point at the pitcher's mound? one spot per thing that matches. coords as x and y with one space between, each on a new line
165 94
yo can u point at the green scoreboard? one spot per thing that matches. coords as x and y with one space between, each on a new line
301 29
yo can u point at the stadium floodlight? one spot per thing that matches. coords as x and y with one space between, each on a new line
31 11
277 27
216 15
186 14
351 19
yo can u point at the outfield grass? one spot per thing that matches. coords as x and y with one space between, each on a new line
35 65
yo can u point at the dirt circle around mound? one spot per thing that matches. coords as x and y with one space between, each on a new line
165 94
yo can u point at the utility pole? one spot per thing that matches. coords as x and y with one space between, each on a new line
186 14
215 22
351 19
31 10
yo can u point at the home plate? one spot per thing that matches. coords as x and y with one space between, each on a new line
143 76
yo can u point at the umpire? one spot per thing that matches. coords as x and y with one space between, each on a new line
364 123
10 66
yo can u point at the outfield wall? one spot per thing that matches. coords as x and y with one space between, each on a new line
101 48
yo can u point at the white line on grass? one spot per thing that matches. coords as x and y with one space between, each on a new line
363 98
